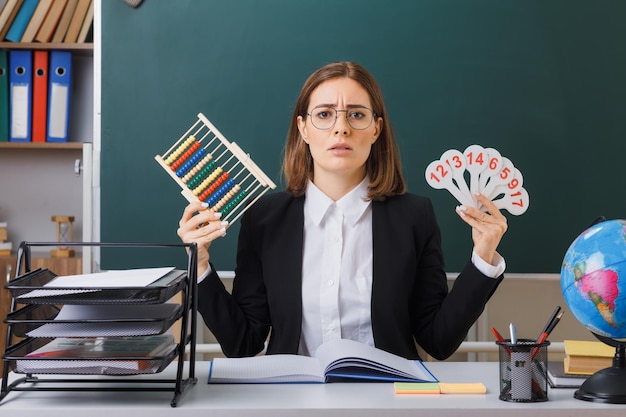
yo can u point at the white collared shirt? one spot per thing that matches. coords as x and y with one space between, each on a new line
337 268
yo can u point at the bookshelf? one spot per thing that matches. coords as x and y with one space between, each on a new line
41 179
50 146
80 48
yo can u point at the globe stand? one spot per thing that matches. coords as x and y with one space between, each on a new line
607 385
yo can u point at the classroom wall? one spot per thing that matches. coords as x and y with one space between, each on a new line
27 201
541 81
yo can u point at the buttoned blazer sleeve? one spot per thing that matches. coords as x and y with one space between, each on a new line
410 298
266 294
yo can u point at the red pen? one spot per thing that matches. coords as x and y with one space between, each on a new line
498 336
500 339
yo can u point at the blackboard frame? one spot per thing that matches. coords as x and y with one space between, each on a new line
541 81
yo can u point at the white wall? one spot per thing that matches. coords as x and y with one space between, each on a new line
36 184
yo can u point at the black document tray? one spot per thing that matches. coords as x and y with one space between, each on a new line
130 365
32 317
107 373
159 291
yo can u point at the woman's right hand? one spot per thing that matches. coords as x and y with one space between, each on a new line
200 225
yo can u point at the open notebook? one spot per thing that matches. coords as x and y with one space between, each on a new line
337 360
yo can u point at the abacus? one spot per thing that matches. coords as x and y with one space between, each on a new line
211 169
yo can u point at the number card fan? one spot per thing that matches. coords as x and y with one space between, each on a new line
489 174
211 169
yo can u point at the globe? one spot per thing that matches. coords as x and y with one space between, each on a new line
593 282
593 279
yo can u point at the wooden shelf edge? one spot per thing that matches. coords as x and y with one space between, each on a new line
47 46
41 145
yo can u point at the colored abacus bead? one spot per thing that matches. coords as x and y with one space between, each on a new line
178 151
235 201
200 176
214 186
185 155
220 192
191 162
227 197
193 171
198 190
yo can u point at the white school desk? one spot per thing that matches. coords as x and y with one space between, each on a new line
277 400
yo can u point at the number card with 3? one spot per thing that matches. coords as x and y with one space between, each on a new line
488 172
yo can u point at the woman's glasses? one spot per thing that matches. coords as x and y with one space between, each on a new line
358 118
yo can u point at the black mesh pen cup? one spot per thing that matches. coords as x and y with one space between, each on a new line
523 371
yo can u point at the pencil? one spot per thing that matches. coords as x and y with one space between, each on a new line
550 320
546 333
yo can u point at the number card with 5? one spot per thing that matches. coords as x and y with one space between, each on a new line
479 170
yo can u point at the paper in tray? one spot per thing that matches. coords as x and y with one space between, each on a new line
46 320
130 365
31 288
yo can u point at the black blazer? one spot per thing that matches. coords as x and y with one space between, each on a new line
410 298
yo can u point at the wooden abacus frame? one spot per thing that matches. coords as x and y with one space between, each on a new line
205 165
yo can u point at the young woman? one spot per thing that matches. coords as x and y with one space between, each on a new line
344 251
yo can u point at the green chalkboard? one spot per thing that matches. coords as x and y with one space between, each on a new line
543 82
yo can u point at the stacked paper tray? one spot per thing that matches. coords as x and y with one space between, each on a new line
47 320
31 288
20 362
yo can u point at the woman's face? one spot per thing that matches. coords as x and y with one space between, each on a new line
339 149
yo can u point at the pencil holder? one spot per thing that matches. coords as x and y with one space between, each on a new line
523 371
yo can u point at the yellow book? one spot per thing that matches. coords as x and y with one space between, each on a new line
586 357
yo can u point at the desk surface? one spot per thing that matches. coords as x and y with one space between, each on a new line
340 399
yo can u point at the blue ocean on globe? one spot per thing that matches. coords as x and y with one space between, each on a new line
593 278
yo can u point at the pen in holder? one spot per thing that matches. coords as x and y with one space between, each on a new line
523 370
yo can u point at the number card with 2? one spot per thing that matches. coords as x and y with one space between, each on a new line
479 170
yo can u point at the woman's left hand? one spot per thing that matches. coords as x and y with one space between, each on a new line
488 227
